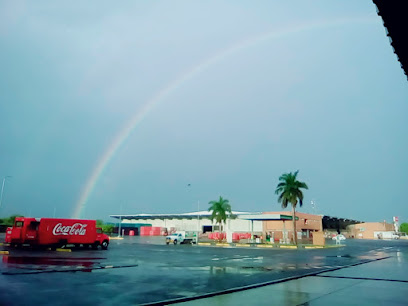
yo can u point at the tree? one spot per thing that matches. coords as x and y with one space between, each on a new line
289 191
219 210
108 228
404 228
99 222
10 220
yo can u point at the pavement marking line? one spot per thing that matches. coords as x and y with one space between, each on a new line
288 247
204 243
264 246
364 278
243 245
253 286
4 252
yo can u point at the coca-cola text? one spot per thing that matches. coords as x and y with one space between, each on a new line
75 229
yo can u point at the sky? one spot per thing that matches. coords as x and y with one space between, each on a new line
109 108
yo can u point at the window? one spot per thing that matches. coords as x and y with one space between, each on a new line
99 231
34 226
19 223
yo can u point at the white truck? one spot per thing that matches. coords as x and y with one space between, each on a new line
182 237
386 235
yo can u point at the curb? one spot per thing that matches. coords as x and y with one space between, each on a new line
63 250
268 246
264 246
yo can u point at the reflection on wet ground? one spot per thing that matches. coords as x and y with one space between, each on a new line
47 263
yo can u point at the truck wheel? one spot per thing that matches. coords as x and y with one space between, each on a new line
167 242
95 246
175 242
104 245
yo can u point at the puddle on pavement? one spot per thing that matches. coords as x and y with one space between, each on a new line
238 270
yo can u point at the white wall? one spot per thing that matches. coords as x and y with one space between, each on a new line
236 225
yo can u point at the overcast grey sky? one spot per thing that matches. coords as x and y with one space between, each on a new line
322 92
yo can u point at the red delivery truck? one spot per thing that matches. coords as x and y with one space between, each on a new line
56 233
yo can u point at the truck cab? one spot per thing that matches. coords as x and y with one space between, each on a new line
24 230
102 238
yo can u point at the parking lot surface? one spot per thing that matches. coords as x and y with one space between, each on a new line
138 270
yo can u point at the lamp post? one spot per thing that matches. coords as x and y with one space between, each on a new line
120 221
2 188
198 217
198 221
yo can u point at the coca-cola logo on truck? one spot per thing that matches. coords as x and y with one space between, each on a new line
75 229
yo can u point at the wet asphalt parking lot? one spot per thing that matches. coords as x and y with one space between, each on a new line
138 270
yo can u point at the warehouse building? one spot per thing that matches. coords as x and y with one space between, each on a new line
277 225
194 221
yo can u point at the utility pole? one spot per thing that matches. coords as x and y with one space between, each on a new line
2 188
120 220
198 219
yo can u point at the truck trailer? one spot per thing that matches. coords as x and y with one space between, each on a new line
53 232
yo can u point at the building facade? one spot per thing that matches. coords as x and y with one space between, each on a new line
371 230
306 224
197 221
278 225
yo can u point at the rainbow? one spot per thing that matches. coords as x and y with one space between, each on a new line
153 102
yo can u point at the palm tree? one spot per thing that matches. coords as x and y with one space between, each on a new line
219 210
289 192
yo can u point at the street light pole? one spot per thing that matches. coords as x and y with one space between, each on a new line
2 188
198 216
198 220
120 221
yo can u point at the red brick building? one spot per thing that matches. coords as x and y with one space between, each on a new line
370 230
306 224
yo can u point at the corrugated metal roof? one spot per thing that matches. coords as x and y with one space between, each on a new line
266 217
190 215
